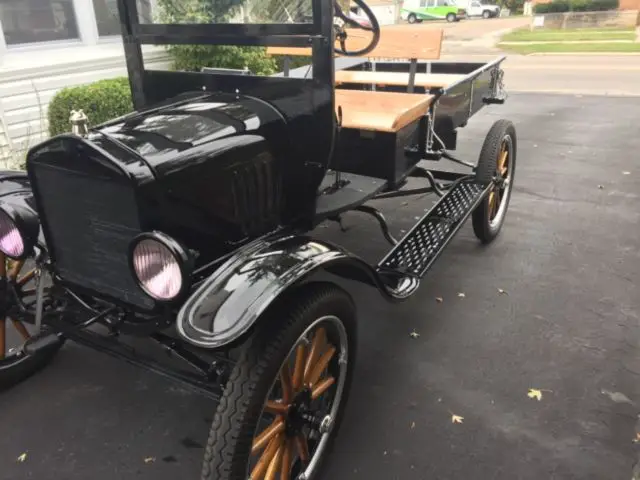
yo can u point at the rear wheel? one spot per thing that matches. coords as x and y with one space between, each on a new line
496 167
284 400
412 18
16 329
486 14
451 17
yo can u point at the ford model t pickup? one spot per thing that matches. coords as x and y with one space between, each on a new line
190 221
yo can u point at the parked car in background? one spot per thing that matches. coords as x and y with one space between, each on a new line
415 11
476 8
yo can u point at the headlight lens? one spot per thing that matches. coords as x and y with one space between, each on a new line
158 269
11 241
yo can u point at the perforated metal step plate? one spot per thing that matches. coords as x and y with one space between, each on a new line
417 250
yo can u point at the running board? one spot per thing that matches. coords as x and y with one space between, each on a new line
422 245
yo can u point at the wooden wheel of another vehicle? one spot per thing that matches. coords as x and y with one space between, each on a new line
285 397
496 167
16 328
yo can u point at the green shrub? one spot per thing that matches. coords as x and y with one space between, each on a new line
560 6
101 101
194 57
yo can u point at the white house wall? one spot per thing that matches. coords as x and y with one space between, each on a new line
25 94
385 14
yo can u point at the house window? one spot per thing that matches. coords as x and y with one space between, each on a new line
31 21
107 15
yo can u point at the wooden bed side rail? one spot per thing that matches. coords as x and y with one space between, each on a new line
396 42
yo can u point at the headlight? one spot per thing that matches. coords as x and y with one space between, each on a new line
161 265
19 229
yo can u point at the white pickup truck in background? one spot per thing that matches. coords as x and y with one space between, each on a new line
476 8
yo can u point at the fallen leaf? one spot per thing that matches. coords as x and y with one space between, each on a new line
456 418
535 393
600 187
626 173
502 292
22 457
413 425
149 459
439 299
414 334
637 439
461 295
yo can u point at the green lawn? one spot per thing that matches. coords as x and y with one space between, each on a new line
613 33
571 47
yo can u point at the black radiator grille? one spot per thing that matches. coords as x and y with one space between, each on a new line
89 224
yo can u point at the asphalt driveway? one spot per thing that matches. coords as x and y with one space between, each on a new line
566 323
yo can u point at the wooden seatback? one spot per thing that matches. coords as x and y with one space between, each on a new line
396 41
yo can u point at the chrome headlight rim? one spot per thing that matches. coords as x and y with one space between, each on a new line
182 258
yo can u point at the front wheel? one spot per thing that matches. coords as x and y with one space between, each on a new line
496 167
285 397
412 18
16 330
486 14
451 17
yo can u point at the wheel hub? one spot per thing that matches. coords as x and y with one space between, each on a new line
299 414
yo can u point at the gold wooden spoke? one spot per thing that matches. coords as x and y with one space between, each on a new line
285 382
314 353
287 458
502 162
10 269
322 387
276 461
277 408
298 369
267 456
19 326
315 374
273 430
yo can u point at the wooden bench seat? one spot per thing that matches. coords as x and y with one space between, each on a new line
425 80
380 111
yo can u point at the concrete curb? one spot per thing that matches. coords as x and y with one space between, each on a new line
574 92
588 54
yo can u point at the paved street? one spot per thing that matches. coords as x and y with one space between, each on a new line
567 324
571 74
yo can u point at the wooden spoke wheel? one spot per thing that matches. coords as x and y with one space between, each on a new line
284 400
16 328
496 167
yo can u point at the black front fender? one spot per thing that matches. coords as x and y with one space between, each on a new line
230 301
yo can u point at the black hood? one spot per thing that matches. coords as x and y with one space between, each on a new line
168 136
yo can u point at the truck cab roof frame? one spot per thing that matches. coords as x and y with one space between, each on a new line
317 34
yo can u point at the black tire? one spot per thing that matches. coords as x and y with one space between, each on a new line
486 224
234 426
412 18
19 368
451 17
486 14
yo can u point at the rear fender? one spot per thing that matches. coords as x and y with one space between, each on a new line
231 300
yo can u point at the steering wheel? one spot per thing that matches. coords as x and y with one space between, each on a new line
341 34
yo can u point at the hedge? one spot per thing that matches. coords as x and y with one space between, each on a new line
101 101
561 6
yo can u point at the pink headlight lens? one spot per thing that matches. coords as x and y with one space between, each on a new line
11 242
157 269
